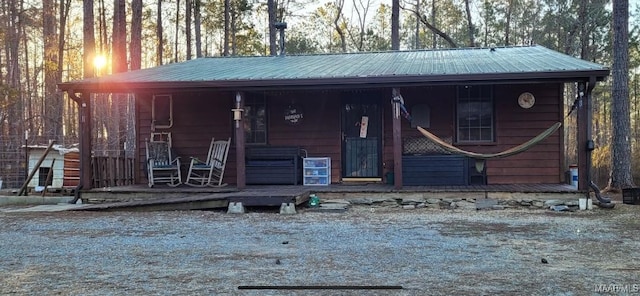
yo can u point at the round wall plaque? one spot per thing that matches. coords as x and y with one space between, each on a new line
526 100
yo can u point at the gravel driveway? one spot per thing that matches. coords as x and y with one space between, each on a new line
357 252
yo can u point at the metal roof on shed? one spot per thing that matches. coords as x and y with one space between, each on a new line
526 63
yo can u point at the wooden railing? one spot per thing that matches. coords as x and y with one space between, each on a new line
111 171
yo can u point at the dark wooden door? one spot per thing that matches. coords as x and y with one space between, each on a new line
361 136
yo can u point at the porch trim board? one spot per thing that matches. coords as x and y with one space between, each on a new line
356 180
139 198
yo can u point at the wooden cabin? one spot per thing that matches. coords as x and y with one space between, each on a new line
361 110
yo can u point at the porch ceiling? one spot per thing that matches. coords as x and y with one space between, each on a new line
377 69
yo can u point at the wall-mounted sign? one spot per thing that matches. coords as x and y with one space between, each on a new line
293 115
364 126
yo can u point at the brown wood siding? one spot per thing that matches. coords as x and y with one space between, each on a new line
71 173
198 116
318 132
513 126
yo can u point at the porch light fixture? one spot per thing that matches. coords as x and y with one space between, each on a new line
237 111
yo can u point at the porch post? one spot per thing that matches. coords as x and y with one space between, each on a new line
238 118
397 138
584 141
85 143
84 128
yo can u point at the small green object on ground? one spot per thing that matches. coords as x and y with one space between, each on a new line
314 200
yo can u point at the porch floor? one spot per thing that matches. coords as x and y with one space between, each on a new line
164 197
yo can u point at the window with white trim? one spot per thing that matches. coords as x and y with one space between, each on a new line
474 108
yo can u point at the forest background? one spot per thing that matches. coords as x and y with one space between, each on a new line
46 42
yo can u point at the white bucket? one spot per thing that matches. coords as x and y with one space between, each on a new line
582 202
574 175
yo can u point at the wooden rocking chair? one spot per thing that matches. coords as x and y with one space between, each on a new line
161 166
211 171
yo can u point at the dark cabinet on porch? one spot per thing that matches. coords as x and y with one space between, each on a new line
436 169
271 165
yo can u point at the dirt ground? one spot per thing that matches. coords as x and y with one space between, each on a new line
363 251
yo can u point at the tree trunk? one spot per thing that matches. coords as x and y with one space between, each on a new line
135 47
104 41
89 39
12 113
433 21
417 32
98 103
336 23
175 43
621 122
584 32
160 43
64 13
470 26
187 26
227 20
29 85
234 31
198 23
636 103
272 10
119 37
395 25
53 112
118 122
507 26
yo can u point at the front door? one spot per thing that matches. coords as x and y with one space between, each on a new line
361 137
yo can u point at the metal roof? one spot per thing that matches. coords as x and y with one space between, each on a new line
369 69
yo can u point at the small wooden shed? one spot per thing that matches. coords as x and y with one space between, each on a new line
61 162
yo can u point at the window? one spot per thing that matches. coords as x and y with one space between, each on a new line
475 114
421 116
255 120
161 112
43 173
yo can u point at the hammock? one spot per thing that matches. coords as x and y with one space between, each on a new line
481 157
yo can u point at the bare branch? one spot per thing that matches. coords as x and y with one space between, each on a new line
339 7
433 29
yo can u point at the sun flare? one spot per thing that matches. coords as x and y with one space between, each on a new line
99 62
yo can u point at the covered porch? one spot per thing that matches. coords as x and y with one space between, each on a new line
472 99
